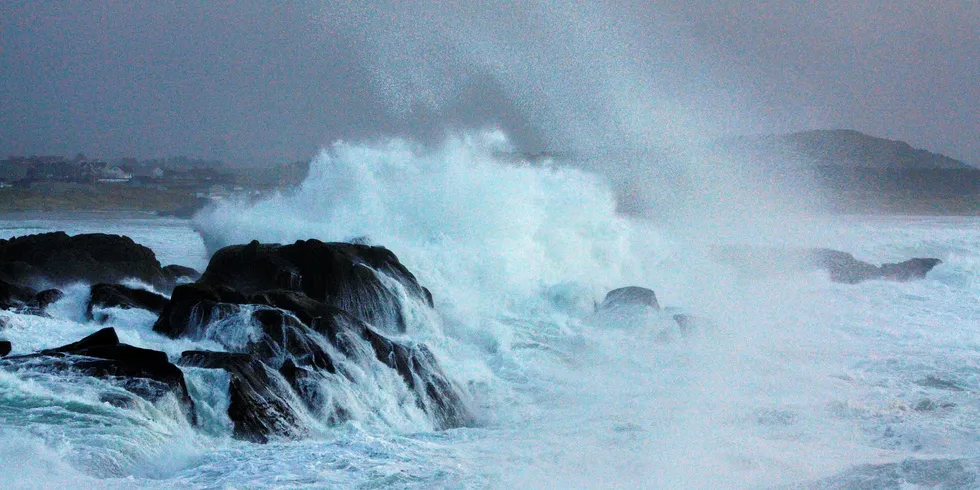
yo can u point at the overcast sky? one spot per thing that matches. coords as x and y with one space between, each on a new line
264 81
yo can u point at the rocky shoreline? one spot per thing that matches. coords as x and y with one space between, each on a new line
296 321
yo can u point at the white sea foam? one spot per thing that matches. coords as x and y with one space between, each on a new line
798 379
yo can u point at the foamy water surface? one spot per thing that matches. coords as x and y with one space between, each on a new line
795 379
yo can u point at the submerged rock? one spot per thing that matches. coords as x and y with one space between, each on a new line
144 372
909 473
307 312
938 383
630 295
178 273
48 297
841 266
5 347
118 296
24 299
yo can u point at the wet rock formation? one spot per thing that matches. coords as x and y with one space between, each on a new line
118 296
310 310
143 372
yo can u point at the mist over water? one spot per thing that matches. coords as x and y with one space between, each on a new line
517 256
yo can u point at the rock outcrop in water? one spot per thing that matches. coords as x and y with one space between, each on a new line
143 372
179 273
24 299
841 266
57 258
307 311
118 296
630 295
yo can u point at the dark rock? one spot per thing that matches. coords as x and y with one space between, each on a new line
194 305
118 400
118 296
144 372
13 296
286 338
630 295
211 359
261 404
24 299
342 275
47 297
840 266
305 382
5 347
908 270
103 337
56 258
175 273
316 307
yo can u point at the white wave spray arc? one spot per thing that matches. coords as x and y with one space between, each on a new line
516 255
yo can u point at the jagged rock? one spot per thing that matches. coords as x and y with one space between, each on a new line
144 372
5 347
338 274
56 258
176 273
630 295
260 403
118 296
305 304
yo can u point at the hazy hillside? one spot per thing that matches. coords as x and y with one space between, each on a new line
865 174
849 148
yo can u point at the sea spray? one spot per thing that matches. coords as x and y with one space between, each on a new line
511 251
799 379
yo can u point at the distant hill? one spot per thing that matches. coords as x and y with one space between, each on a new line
849 148
860 173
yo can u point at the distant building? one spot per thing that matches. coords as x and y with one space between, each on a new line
113 173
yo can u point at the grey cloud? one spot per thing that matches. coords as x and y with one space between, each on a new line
256 81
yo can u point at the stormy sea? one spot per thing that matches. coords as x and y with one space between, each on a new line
490 342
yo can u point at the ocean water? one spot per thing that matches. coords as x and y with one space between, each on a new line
791 382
